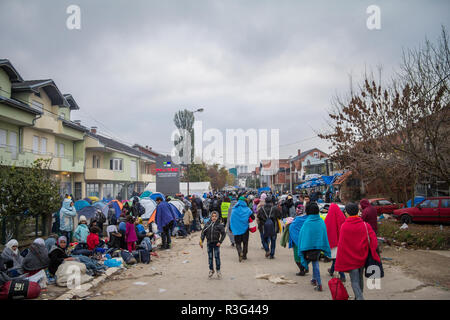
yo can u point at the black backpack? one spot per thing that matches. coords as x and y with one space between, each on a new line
269 226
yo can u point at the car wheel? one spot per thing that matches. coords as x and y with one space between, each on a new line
406 219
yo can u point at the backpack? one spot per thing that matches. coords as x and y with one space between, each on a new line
20 289
269 226
142 256
337 289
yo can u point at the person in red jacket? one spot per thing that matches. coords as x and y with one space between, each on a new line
130 234
92 239
353 248
369 214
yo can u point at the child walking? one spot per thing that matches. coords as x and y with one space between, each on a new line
130 234
214 231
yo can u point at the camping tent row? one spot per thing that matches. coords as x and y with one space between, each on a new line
197 188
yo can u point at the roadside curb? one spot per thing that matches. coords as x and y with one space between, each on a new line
83 290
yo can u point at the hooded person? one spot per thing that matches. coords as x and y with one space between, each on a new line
239 226
66 216
294 231
333 221
11 252
37 257
312 240
165 219
82 231
50 241
57 255
262 201
356 238
369 214
269 211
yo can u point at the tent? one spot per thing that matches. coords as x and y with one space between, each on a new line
103 206
263 189
89 212
88 200
178 204
156 195
80 204
117 205
417 200
94 199
175 210
146 194
150 209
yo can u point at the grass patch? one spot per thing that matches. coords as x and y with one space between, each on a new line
417 236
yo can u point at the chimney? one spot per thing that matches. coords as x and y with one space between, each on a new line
299 152
94 130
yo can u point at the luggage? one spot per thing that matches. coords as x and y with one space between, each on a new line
252 225
128 257
20 289
144 256
337 289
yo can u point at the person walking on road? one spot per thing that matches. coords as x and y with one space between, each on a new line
165 220
334 220
214 232
268 224
369 214
355 240
239 227
294 231
313 239
224 207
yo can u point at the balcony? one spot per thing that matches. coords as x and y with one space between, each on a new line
147 177
99 174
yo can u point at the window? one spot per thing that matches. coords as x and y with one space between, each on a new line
133 170
92 190
95 161
116 164
430 204
43 145
61 150
2 138
445 203
108 190
13 144
384 203
56 150
35 144
316 155
37 105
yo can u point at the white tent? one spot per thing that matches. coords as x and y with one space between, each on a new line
149 206
178 204
197 188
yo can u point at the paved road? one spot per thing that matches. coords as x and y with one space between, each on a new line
167 277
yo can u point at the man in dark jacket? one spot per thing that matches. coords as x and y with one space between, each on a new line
269 211
369 214
214 232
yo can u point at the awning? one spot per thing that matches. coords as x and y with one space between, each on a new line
342 178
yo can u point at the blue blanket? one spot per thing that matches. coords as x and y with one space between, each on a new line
294 229
239 218
164 215
313 235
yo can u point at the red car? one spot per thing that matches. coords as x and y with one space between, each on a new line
385 206
429 210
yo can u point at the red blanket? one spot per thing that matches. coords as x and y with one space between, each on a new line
353 246
334 219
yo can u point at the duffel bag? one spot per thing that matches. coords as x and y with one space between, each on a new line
20 289
128 257
144 256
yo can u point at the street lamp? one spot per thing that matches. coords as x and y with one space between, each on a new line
187 165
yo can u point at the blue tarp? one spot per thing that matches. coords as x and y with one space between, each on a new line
417 200
80 204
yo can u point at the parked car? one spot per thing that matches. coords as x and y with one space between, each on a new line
385 206
323 207
429 210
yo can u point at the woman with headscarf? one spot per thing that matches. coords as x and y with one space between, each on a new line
37 258
312 240
333 221
58 254
11 253
82 231
239 226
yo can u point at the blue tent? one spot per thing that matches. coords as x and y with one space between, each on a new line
155 195
146 194
80 204
89 212
175 210
103 207
88 200
263 189
417 200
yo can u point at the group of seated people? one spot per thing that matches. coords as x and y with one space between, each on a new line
49 254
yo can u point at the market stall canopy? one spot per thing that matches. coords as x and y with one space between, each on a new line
264 189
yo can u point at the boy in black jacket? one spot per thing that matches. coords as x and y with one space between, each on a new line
214 231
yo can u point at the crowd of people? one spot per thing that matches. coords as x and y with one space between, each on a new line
346 237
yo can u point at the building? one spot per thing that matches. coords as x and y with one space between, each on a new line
35 123
115 170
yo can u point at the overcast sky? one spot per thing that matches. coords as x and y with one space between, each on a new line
249 64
